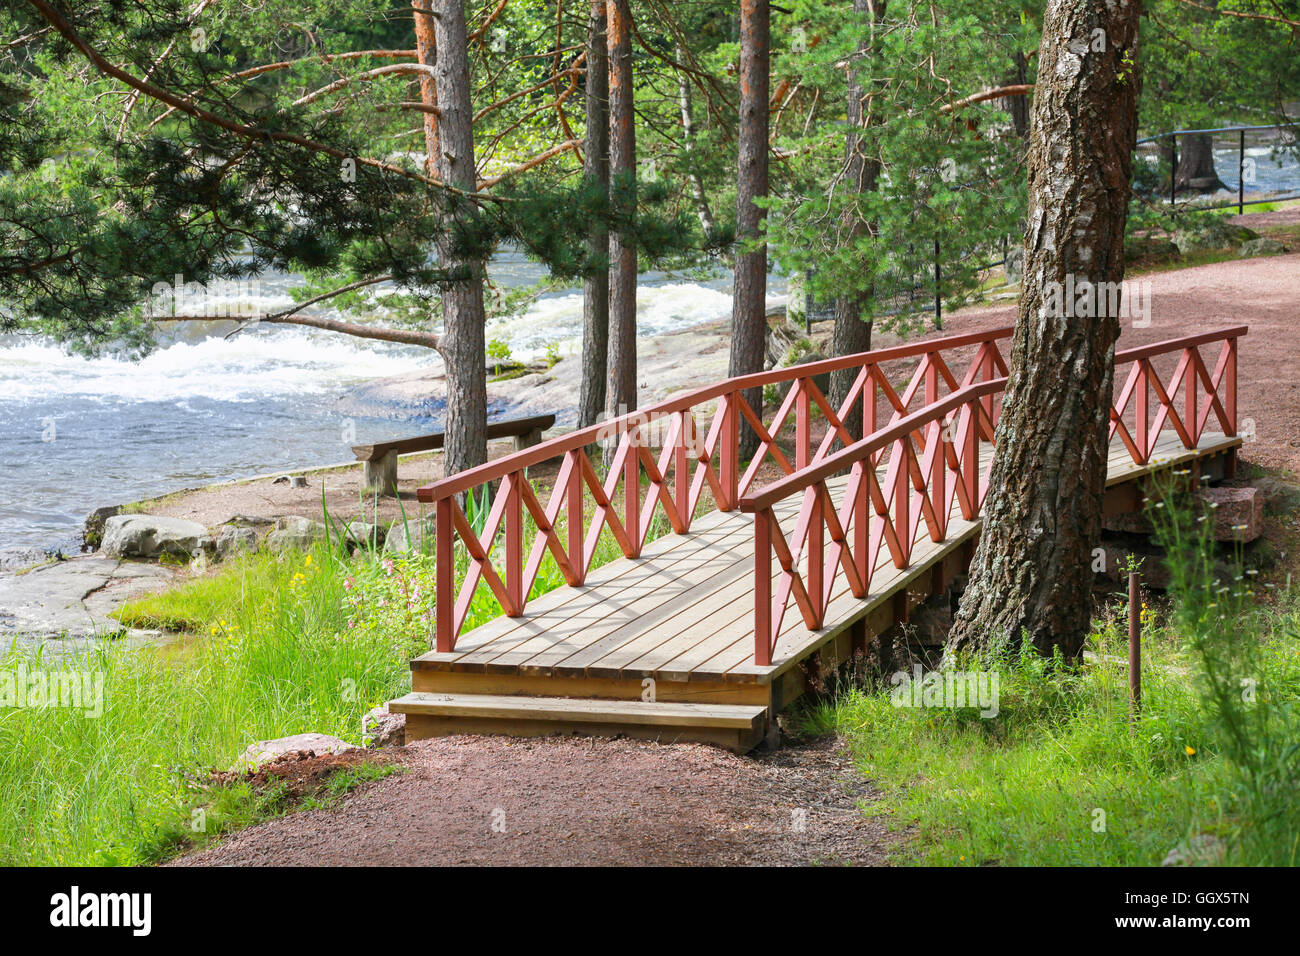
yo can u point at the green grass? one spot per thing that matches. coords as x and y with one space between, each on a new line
1062 777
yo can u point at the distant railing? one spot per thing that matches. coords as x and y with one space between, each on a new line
933 459
692 458
1241 132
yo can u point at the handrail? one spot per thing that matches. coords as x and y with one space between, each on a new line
877 441
934 462
581 438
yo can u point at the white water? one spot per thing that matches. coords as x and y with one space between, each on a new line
84 432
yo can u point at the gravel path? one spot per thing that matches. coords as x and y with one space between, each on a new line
583 801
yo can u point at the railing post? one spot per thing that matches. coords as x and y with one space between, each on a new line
444 577
632 489
1190 409
762 589
729 467
817 554
1241 172
1230 385
1141 398
573 505
803 425
514 545
681 472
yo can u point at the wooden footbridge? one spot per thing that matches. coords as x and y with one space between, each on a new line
739 582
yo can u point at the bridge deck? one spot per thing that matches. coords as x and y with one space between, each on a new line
684 610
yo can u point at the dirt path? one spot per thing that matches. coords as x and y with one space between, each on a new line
583 801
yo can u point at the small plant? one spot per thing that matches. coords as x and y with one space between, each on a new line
499 351
552 354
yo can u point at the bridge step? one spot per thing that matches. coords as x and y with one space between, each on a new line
738 727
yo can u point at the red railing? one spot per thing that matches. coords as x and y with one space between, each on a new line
934 458
691 459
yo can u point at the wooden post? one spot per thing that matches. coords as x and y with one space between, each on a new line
444 576
1134 645
762 588
380 475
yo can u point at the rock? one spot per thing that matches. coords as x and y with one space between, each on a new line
234 539
293 531
359 533
1130 522
264 751
1212 234
379 728
1280 498
92 531
1141 247
148 536
16 559
1014 267
1238 512
403 538
1260 247
249 521
823 381
1203 849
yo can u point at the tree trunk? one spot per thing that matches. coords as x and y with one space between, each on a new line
702 209
852 332
1196 171
1031 576
1018 106
595 288
749 301
620 394
462 345
425 50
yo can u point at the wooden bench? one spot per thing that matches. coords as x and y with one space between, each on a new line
381 458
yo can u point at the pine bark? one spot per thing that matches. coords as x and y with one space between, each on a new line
620 392
425 51
749 300
595 288
852 331
1196 172
462 345
1031 576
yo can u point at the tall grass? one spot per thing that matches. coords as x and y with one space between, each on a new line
1061 776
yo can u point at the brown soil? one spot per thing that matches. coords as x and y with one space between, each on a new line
302 773
582 801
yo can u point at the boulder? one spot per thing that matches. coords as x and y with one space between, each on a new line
360 533
1280 498
1260 247
406 537
264 751
1238 513
379 728
148 536
233 539
823 381
1213 233
1142 247
293 531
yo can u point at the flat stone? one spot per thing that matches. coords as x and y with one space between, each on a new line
148 536
293 531
71 600
264 751
1238 513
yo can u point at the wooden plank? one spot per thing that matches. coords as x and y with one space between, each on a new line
508 428
579 710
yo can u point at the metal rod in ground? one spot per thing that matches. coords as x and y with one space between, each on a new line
1134 644
1173 170
1241 173
938 288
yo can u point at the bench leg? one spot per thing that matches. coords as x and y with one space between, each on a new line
528 440
381 475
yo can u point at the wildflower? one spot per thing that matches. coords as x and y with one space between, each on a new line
306 563
1191 751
